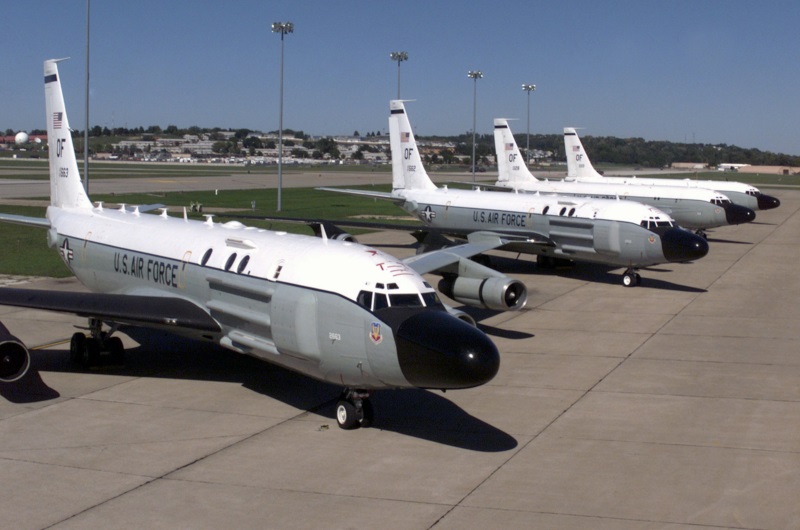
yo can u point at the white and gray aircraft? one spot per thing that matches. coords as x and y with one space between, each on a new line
694 208
612 232
333 310
580 169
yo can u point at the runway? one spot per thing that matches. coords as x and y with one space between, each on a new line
671 405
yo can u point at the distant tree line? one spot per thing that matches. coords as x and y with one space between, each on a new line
601 149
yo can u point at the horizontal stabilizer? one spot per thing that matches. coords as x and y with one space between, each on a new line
41 222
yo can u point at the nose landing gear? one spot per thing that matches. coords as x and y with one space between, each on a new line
354 409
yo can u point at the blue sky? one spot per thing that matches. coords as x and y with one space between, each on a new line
680 70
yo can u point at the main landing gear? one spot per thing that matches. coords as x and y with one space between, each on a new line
631 278
96 349
354 409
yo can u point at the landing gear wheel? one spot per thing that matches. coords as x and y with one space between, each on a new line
367 413
630 278
77 345
116 352
90 357
346 415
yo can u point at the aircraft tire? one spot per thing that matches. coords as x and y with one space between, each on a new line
90 357
77 345
367 413
116 351
347 415
629 279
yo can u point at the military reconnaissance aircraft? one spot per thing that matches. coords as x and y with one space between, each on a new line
694 208
580 169
612 232
333 310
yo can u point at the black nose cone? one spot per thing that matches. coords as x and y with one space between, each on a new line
737 214
437 350
681 245
768 202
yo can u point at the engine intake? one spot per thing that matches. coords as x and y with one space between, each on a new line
14 357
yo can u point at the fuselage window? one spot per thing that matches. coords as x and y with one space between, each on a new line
546 209
243 264
206 257
229 263
564 209
572 212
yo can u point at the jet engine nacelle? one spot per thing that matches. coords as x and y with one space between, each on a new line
477 285
498 293
14 357
461 315
331 231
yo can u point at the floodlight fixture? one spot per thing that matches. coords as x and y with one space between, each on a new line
399 57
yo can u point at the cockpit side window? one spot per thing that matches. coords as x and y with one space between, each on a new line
381 301
364 299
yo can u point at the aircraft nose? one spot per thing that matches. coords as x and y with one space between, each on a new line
768 202
737 214
681 245
437 350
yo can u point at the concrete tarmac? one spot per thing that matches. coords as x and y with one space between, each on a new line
671 405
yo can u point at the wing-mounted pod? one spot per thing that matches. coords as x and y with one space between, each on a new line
14 357
479 286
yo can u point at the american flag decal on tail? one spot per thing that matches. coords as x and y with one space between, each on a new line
57 119
405 137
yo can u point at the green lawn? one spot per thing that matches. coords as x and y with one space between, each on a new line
25 250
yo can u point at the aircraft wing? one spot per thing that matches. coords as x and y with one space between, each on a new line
41 222
149 311
477 243
366 193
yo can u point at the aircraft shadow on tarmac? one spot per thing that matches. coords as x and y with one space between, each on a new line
591 272
422 414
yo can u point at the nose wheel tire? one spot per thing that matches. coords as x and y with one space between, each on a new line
631 278
354 410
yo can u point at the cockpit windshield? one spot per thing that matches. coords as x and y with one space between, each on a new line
655 223
382 297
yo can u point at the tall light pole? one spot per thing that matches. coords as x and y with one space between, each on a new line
283 28
86 132
399 57
528 88
475 75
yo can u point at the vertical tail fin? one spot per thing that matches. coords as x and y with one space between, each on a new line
578 164
511 167
407 170
66 188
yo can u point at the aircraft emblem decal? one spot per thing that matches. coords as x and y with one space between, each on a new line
652 239
375 333
66 253
427 215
